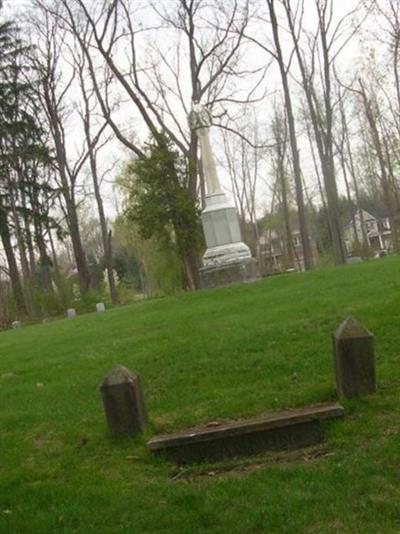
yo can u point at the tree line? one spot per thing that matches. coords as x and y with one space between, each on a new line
297 132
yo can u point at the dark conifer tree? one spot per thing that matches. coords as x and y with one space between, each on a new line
24 157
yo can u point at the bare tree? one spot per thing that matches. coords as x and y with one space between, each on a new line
67 97
95 142
277 53
13 271
279 129
321 109
372 114
244 166
52 92
152 78
346 157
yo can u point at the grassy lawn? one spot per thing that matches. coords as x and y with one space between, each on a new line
211 355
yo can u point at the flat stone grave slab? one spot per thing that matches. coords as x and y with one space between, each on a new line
285 430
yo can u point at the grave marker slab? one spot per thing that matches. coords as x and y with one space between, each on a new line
276 431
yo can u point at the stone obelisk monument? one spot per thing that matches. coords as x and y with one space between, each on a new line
227 259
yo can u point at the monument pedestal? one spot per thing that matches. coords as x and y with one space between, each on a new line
230 273
227 259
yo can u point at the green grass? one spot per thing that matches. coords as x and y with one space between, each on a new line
211 355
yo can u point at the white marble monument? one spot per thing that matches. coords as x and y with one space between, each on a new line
227 258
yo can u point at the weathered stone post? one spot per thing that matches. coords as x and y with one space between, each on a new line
353 354
100 307
123 401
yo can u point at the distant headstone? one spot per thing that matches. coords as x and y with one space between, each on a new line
71 313
353 353
100 307
16 325
353 259
123 401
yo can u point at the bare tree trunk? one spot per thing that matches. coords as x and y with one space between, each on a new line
347 164
349 199
106 237
12 263
104 233
45 261
390 164
316 169
350 162
322 133
27 282
279 129
72 216
305 238
388 197
26 274
28 236
56 267
288 233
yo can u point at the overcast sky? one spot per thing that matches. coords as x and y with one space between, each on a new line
348 58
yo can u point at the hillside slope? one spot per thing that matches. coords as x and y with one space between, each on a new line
210 355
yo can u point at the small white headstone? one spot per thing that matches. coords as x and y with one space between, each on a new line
353 259
100 307
71 313
16 325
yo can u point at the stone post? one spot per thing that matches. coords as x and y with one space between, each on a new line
123 401
353 353
100 307
71 313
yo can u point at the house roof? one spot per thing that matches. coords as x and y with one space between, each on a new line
378 213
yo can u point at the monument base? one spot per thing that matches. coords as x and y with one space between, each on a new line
230 273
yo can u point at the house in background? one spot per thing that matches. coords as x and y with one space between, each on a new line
273 254
375 222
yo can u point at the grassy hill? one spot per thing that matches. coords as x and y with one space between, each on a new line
211 355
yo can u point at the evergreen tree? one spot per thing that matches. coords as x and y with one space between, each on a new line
159 201
23 158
